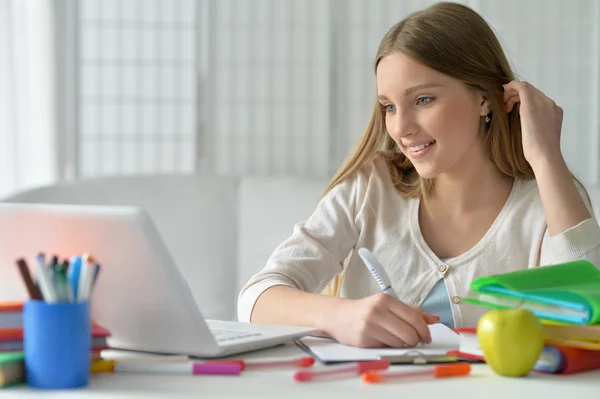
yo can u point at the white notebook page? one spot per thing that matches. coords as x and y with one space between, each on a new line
443 340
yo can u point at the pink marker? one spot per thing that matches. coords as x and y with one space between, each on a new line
216 369
179 368
354 369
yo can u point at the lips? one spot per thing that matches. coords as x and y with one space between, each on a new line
419 147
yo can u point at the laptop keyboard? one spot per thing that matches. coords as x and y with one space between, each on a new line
222 335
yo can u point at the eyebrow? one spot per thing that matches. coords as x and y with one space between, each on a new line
413 89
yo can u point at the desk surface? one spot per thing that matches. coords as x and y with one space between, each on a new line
260 384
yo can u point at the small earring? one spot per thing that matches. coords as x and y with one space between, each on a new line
487 119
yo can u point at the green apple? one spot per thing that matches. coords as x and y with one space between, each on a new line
511 340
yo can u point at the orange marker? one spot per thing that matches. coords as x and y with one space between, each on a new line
446 370
257 364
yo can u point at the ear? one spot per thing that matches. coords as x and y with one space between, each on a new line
484 104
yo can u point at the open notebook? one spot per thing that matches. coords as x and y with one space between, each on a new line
329 351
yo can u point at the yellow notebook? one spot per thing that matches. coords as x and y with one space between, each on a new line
584 337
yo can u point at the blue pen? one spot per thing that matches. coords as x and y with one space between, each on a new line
73 274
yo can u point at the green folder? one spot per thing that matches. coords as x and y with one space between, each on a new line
566 292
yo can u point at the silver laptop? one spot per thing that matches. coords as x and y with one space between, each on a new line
140 296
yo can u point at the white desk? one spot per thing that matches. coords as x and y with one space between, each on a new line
482 383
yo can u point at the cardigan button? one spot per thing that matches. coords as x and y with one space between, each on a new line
456 299
443 268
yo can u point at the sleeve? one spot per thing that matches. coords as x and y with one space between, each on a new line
313 255
578 242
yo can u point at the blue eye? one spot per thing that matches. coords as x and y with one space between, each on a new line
424 100
390 108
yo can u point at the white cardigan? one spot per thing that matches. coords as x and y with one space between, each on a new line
367 211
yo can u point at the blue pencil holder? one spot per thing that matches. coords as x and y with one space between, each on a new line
57 344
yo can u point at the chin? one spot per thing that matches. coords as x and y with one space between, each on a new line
427 172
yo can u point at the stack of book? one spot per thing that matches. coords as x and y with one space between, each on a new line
11 343
564 297
578 351
12 368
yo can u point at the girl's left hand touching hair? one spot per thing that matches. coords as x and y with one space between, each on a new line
541 122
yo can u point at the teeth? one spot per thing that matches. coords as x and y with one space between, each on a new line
419 147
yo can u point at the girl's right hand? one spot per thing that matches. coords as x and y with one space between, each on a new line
378 321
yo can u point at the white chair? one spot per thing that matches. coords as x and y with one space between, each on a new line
196 216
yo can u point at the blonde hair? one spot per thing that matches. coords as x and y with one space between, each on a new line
452 39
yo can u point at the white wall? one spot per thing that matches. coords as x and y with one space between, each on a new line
137 86
29 112
271 90
285 87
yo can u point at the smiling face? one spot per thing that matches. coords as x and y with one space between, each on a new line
433 118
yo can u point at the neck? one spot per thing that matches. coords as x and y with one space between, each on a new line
474 182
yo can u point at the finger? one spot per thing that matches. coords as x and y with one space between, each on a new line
400 329
516 85
509 105
510 99
527 93
387 338
510 94
431 318
412 317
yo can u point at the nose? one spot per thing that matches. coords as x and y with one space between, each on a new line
401 124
